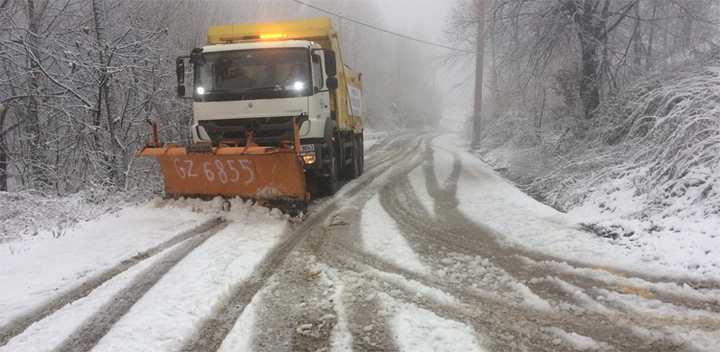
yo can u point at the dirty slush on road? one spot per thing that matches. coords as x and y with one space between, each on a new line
330 284
328 293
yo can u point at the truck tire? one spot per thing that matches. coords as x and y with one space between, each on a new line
361 150
330 184
354 168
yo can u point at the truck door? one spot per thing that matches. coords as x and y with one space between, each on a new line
321 92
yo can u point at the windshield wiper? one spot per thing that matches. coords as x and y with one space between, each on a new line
262 89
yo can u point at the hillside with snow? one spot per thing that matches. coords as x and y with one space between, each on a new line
646 174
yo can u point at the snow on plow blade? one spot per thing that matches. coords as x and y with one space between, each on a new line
273 176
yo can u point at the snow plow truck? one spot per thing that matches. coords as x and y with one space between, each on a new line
276 116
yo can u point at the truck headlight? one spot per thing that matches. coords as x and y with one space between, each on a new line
309 158
307 151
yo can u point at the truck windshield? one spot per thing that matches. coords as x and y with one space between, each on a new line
253 74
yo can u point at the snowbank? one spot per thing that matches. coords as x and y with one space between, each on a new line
487 198
644 173
25 214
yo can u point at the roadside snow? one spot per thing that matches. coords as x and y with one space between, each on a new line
47 334
417 182
383 238
419 330
24 215
189 292
37 269
519 220
690 241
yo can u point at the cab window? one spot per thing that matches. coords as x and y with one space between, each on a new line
317 72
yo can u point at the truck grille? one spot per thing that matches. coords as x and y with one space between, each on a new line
268 131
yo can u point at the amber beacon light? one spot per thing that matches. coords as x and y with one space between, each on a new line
273 36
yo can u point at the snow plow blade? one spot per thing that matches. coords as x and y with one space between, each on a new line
272 176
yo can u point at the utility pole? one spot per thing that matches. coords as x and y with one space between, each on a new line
479 65
3 152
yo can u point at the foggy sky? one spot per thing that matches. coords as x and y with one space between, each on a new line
427 19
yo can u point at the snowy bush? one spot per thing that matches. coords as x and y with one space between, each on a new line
655 150
33 214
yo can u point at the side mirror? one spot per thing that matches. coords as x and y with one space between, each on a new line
180 73
330 63
331 83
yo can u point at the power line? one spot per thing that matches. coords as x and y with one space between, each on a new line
400 35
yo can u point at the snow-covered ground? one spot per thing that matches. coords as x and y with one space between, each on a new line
35 269
419 187
372 137
40 269
381 237
174 307
48 333
368 268
419 330
241 336
25 214
520 220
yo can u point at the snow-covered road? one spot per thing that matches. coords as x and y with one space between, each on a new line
429 250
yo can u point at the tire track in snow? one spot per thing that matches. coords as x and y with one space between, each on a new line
648 277
338 251
458 234
343 250
215 328
94 328
451 217
22 322
452 229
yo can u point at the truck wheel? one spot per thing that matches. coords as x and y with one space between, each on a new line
361 151
353 170
357 158
331 184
